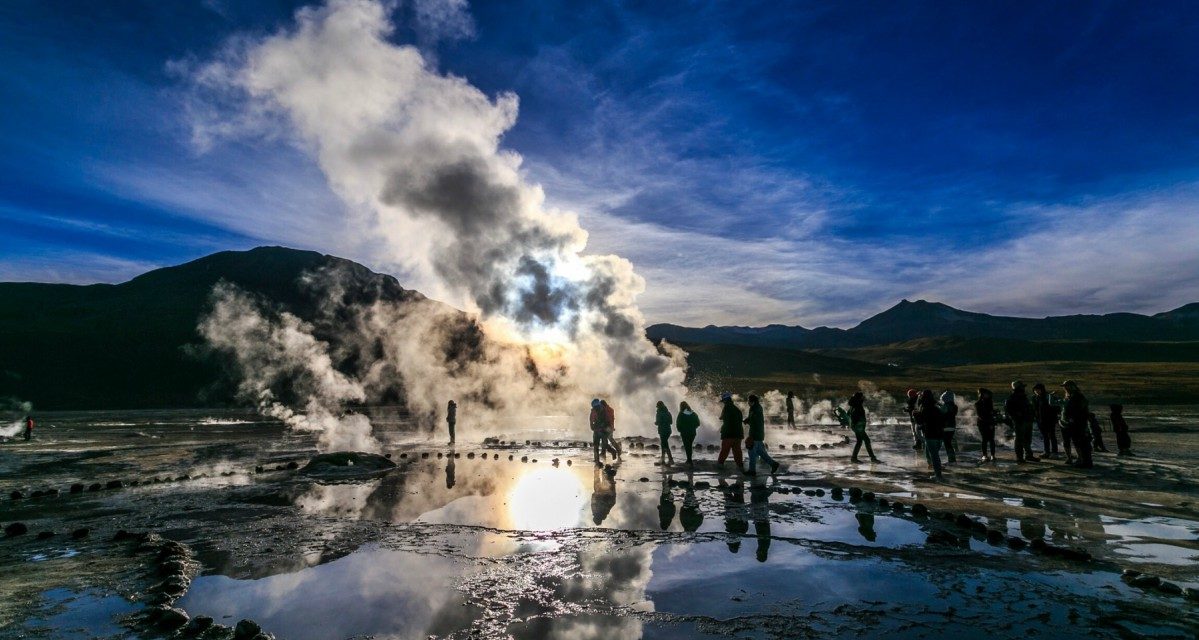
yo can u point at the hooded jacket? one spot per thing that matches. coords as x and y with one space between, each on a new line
663 421
1017 406
687 422
731 421
757 423
985 408
929 418
949 407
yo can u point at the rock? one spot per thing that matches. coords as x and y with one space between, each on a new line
1191 593
81 533
1016 542
424 455
882 503
868 496
16 529
820 493
995 536
703 484
643 479
1038 544
1129 574
77 487
855 494
114 484
171 619
897 507
979 527
347 463
838 494
403 455
470 456
813 447
1146 582
122 535
919 510
37 494
293 465
16 495
1170 588
510 456
962 520
45 535
95 486
246 629
809 493
440 455
172 568
198 625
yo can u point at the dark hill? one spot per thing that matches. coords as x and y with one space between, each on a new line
126 345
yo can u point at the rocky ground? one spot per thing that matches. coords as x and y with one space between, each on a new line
185 524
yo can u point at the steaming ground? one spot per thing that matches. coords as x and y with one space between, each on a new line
483 546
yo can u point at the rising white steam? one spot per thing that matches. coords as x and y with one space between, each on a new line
416 153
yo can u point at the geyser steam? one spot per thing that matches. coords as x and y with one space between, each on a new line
418 153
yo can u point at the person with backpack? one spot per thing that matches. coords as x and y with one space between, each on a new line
664 422
601 430
687 424
1019 410
1075 420
756 441
857 422
949 427
984 409
732 430
1120 428
1045 415
929 420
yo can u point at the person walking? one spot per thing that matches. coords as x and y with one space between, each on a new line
1019 410
857 422
1074 419
732 430
664 421
687 424
984 409
756 441
929 418
790 408
28 428
451 418
601 442
949 427
1120 428
910 409
1045 417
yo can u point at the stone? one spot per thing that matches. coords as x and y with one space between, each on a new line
198 625
994 536
45 535
1038 544
171 619
962 520
347 463
172 568
16 529
1170 588
114 484
77 487
95 486
868 496
16 495
919 510
293 465
1146 582
246 629
1016 542
81 533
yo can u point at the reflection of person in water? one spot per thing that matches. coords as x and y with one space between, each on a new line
449 473
759 511
666 508
689 515
866 526
603 493
734 521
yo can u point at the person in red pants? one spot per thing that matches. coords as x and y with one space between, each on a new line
732 430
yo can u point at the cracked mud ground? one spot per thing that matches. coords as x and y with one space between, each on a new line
528 539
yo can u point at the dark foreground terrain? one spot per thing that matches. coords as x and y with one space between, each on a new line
522 537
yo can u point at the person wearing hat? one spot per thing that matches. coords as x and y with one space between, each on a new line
1045 415
731 430
1075 421
1019 410
601 430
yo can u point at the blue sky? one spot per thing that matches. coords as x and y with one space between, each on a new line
758 162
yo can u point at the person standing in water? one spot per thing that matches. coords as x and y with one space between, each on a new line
1120 428
857 422
949 427
756 441
1074 420
687 423
984 409
601 441
790 408
928 418
28 428
664 422
451 418
1019 411
732 429
910 408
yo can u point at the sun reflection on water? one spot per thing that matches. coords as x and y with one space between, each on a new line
546 499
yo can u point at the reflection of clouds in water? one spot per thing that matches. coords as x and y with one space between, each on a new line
397 594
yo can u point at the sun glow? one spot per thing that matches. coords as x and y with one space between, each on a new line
546 499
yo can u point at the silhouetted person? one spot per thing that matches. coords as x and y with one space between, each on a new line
949 427
756 441
857 422
451 418
664 422
690 515
790 408
1044 414
984 408
28 427
601 442
866 526
449 473
734 523
1075 420
1096 432
603 494
1120 428
687 423
1019 411
910 409
732 430
929 420
666 508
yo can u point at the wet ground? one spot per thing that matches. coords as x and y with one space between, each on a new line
524 537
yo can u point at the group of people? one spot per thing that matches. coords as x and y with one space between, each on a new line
934 424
